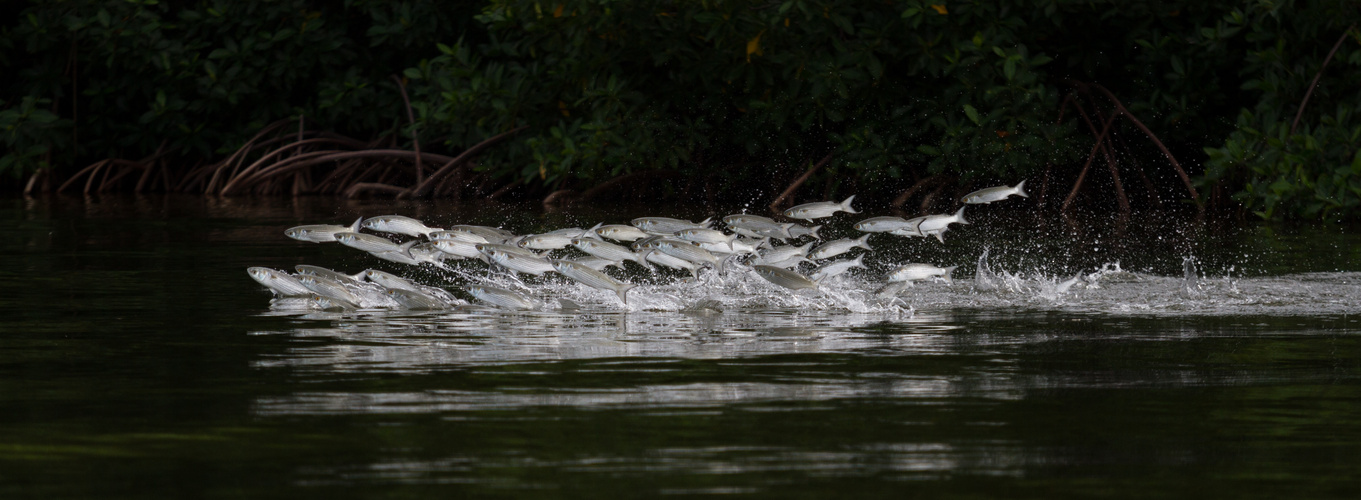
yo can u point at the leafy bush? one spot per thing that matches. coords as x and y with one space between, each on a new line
1310 168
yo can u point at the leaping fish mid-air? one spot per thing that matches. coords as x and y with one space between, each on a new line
999 193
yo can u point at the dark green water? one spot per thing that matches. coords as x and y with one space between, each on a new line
137 360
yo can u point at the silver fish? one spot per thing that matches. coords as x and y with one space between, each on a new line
515 261
914 272
327 273
596 263
838 267
367 242
664 260
401 255
458 247
321 233
914 229
666 226
458 234
778 254
934 223
606 250
330 304
592 278
389 280
330 289
784 277
546 241
428 252
885 224
645 243
700 235
834 248
757 226
818 210
512 249
790 262
500 297
412 299
399 224
279 282
491 234
688 251
797 231
999 193
620 232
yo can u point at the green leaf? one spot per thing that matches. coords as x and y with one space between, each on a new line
972 114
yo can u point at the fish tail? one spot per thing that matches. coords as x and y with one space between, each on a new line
814 231
358 223
959 216
1020 189
864 242
846 205
947 277
623 292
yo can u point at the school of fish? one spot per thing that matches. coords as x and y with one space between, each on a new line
744 243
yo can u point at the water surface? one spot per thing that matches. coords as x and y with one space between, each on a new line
138 360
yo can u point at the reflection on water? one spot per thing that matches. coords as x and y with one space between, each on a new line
139 361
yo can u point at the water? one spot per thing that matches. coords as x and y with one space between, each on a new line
138 360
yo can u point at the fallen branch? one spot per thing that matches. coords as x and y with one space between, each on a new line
424 187
774 205
918 186
1067 202
1318 75
361 187
1195 197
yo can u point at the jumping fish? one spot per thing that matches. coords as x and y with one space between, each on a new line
784 277
330 289
327 273
515 261
711 236
412 299
838 268
428 252
459 235
666 226
400 255
778 254
936 225
885 224
367 242
399 224
914 272
500 297
620 232
688 251
491 234
279 282
834 248
592 278
818 210
330 304
457 247
546 241
606 250
389 280
757 226
992 194
664 260
798 231
321 233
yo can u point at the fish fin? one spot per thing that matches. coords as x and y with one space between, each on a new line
705 223
405 249
947 277
623 292
846 205
959 216
864 242
814 232
940 235
1020 189
358 223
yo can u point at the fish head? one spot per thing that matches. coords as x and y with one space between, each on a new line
296 233
260 274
